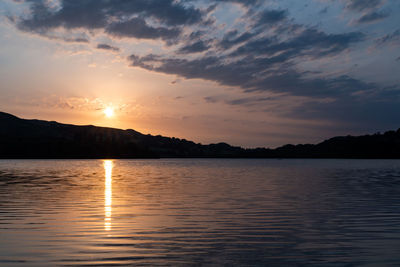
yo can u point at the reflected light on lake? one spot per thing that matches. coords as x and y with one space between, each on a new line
108 165
195 212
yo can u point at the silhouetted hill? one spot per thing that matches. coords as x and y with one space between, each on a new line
20 138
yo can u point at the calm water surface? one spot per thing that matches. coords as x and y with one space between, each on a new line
183 212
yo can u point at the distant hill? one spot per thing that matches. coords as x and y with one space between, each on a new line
20 138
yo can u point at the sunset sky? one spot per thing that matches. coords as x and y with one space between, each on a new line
250 73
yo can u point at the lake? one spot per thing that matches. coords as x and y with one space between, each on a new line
180 212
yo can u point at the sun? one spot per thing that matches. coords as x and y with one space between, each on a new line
109 112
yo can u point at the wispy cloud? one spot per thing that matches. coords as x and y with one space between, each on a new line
108 47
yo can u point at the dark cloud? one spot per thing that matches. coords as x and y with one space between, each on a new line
138 28
193 43
323 11
102 14
68 39
255 61
77 40
85 14
252 101
233 38
264 63
271 16
248 100
242 2
389 38
253 75
244 101
107 47
309 42
362 5
372 17
195 47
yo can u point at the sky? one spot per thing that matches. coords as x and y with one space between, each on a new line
250 73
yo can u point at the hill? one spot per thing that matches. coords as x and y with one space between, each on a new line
21 138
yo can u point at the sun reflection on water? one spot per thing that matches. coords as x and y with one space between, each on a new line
108 165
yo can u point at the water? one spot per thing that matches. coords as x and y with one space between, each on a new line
216 212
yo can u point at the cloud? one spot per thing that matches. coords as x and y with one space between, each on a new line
271 16
248 100
252 75
233 38
196 47
66 39
389 38
252 58
111 16
42 18
310 42
138 28
372 17
362 5
262 63
77 40
323 11
242 2
107 47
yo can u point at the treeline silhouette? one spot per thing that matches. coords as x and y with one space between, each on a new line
20 138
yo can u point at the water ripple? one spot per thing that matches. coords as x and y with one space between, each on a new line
199 212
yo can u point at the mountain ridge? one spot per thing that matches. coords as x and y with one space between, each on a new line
22 138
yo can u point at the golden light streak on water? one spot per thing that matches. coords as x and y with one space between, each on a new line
108 165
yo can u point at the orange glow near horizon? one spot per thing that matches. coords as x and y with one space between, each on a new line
108 165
